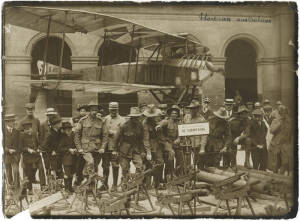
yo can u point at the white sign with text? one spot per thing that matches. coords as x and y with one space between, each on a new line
193 129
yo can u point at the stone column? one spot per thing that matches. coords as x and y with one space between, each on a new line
17 70
81 97
268 80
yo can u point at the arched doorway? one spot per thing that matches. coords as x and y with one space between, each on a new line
61 100
115 53
241 70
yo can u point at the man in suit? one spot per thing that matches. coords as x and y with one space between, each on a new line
229 103
11 150
257 131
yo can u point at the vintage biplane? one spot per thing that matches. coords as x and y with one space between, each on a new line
177 64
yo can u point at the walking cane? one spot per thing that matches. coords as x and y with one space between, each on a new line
44 167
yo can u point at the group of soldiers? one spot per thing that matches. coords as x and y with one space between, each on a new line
147 137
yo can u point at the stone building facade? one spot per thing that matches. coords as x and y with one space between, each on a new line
254 43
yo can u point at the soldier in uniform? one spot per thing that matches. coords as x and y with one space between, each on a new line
250 107
129 141
152 145
11 151
257 131
281 146
83 111
170 140
112 123
218 138
206 111
50 147
31 155
67 149
237 125
88 137
45 130
198 142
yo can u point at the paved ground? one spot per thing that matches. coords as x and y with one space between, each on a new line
62 208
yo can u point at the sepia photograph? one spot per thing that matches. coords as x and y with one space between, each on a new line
150 109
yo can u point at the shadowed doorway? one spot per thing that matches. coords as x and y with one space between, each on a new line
61 100
241 70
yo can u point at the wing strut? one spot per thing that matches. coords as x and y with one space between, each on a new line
155 96
102 55
62 49
46 48
130 53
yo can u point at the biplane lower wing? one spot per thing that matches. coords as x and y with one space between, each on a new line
90 86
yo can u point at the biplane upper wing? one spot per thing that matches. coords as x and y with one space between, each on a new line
91 86
71 21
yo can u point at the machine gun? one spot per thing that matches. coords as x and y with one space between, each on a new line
224 190
137 181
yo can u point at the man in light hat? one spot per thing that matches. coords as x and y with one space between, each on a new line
88 138
257 131
11 150
112 123
45 130
154 149
219 137
129 141
267 102
82 110
198 142
237 125
229 103
50 147
31 155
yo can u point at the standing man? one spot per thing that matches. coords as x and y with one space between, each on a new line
237 125
11 151
206 111
129 140
111 124
281 147
88 137
198 142
45 131
152 145
82 112
163 108
36 127
31 155
229 106
50 147
219 137
257 131
250 107
275 113
67 150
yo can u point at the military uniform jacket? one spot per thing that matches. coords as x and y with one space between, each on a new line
257 133
207 114
129 139
88 134
11 141
282 130
66 143
169 130
29 141
110 128
36 126
151 136
219 134
52 141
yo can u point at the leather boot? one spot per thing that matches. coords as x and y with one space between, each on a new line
115 178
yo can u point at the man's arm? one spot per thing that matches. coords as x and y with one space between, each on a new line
105 136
